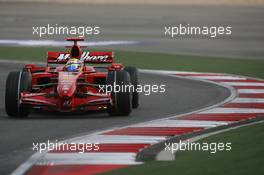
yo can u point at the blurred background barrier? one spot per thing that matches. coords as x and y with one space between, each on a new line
189 2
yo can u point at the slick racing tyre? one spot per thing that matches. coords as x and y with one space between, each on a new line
122 99
133 72
16 83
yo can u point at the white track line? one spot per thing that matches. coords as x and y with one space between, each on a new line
89 159
182 123
168 72
63 43
232 110
121 139
248 100
218 77
244 84
250 91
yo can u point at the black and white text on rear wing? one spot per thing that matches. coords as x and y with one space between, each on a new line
87 57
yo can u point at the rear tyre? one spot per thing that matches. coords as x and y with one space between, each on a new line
133 72
122 100
16 83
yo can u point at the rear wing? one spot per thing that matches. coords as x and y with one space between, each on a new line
86 57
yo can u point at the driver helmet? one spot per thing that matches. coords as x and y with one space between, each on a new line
74 65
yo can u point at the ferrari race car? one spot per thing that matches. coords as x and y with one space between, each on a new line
73 81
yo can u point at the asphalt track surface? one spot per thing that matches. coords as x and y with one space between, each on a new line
17 135
145 23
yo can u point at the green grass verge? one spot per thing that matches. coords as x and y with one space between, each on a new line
246 157
248 67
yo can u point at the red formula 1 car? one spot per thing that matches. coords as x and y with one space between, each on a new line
70 83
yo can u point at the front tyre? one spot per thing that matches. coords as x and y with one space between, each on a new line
122 100
16 83
133 72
